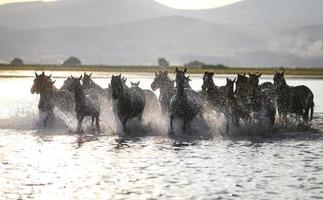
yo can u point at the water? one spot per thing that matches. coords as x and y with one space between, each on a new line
57 164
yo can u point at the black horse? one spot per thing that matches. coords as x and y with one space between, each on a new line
297 100
185 103
84 106
127 102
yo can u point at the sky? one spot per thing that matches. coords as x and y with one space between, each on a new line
181 4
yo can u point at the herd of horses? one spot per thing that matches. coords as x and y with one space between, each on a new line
242 100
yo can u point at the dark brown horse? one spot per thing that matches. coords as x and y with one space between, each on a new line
44 86
50 97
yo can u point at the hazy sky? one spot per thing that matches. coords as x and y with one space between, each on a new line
183 4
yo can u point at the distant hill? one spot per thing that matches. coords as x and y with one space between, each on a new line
79 13
140 41
247 33
265 13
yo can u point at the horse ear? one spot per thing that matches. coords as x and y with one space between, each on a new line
250 74
54 82
185 70
212 74
81 77
43 73
176 69
50 76
283 72
234 80
156 74
227 79
119 75
90 75
131 82
72 76
244 74
36 74
138 83
259 75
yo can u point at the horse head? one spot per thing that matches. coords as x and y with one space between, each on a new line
124 81
254 78
181 79
86 80
75 83
134 84
279 78
42 83
229 86
207 80
160 80
116 86
187 83
243 83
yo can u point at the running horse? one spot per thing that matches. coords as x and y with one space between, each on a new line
128 102
185 103
50 97
84 105
44 86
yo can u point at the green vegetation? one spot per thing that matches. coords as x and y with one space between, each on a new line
150 69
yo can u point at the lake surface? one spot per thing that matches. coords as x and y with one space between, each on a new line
58 164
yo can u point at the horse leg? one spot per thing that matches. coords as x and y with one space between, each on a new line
79 123
171 118
93 120
124 124
97 119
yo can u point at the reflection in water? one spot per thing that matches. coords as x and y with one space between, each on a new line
56 164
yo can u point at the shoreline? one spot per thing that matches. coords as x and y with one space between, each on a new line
12 71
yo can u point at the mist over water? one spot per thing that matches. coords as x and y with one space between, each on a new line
56 163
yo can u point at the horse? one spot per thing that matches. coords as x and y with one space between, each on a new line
263 97
185 103
166 87
297 100
44 86
84 106
128 103
224 100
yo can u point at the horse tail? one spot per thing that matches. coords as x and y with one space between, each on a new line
310 104
312 111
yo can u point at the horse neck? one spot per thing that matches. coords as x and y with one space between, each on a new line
79 96
167 88
180 89
212 87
